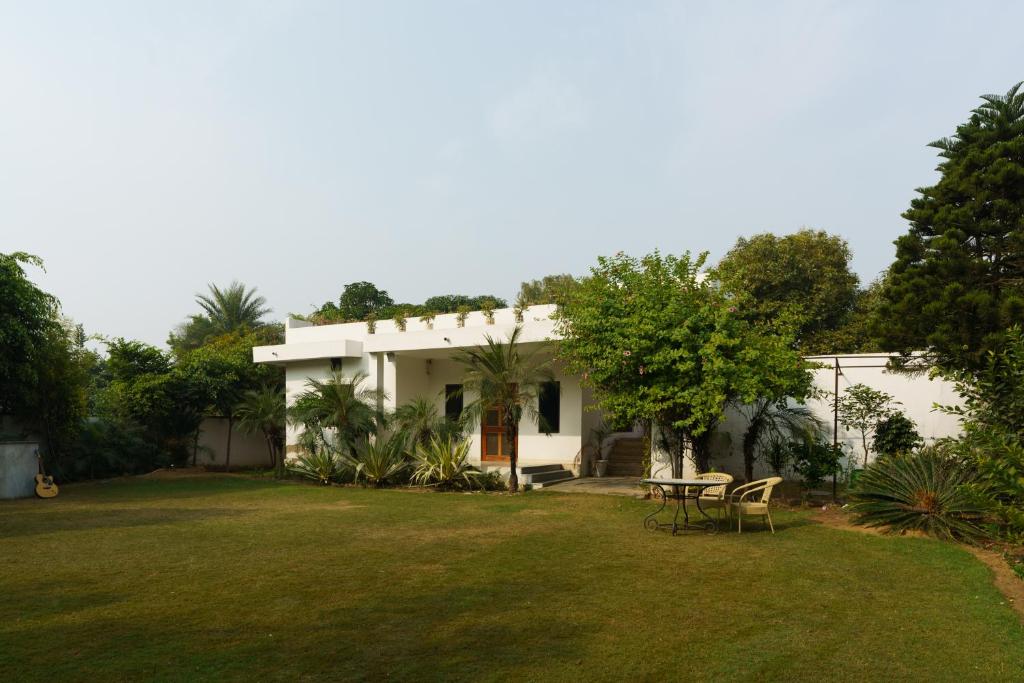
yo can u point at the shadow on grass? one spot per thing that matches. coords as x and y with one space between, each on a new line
16 524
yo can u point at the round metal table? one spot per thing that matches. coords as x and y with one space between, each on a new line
682 490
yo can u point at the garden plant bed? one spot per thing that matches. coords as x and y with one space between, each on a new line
229 577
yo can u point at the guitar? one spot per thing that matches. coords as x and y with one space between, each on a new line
45 488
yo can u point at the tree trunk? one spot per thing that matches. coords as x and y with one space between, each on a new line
864 443
513 457
227 457
270 449
748 463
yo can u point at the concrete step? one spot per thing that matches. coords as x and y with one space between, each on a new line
538 469
616 469
539 481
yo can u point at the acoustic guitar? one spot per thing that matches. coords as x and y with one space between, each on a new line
45 488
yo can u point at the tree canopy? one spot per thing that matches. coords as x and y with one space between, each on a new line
805 276
224 311
658 343
958 280
550 289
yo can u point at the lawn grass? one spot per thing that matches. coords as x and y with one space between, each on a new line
224 577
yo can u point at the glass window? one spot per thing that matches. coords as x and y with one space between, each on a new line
453 401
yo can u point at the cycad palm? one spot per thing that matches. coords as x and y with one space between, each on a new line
341 404
502 375
233 307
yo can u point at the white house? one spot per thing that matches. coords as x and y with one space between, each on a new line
418 362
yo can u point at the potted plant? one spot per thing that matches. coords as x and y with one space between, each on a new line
462 312
371 323
487 307
597 438
520 307
400 321
428 320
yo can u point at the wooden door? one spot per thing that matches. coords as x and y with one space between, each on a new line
493 443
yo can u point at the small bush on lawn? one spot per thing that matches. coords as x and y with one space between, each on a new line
382 461
444 462
322 466
815 461
924 491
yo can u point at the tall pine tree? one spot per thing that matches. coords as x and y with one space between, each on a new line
958 280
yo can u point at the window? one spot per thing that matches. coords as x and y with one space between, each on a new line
453 401
549 406
335 364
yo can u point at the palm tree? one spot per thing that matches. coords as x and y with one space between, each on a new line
769 421
504 377
418 419
339 404
263 410
232 308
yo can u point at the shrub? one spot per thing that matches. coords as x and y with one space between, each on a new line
925 491
322 466
815 461
896 434
382 461
444 462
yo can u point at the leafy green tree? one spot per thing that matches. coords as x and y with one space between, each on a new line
236 308
805 275
357 300
958 280
506 376
550 289
450 303
658 343
263 410
861 408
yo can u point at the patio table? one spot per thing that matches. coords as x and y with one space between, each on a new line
682 490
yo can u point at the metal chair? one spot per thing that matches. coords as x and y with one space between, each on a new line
752 499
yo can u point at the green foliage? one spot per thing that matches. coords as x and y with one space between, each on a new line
923 491
992 418
507 376
956 284
111 448
419 420
814 460
772 421
861 408
340 404
444 462
26 315
322 466
657 342
805 275
357 300
896 434
382 461
401 320
551 289
263 410
450 303
234 309
361 300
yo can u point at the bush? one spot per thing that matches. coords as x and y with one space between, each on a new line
896 434
815 461
382 461
108 448
444 462
924 491
322 466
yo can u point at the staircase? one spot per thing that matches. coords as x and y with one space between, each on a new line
539 476
626 458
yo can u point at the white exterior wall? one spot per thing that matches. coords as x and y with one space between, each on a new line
917 395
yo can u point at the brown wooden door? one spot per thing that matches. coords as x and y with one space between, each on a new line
494 445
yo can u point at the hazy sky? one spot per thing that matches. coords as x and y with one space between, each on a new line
147 148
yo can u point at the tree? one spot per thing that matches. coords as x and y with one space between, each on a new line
896 434
958 280
805 275
357 300
506 376
263 410
450 303
861 408
551 289
770 421
235 308
27 315
340 405
659 343
419 419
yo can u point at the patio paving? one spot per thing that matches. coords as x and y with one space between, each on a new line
609 486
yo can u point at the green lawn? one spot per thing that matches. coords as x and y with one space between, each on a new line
233 578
